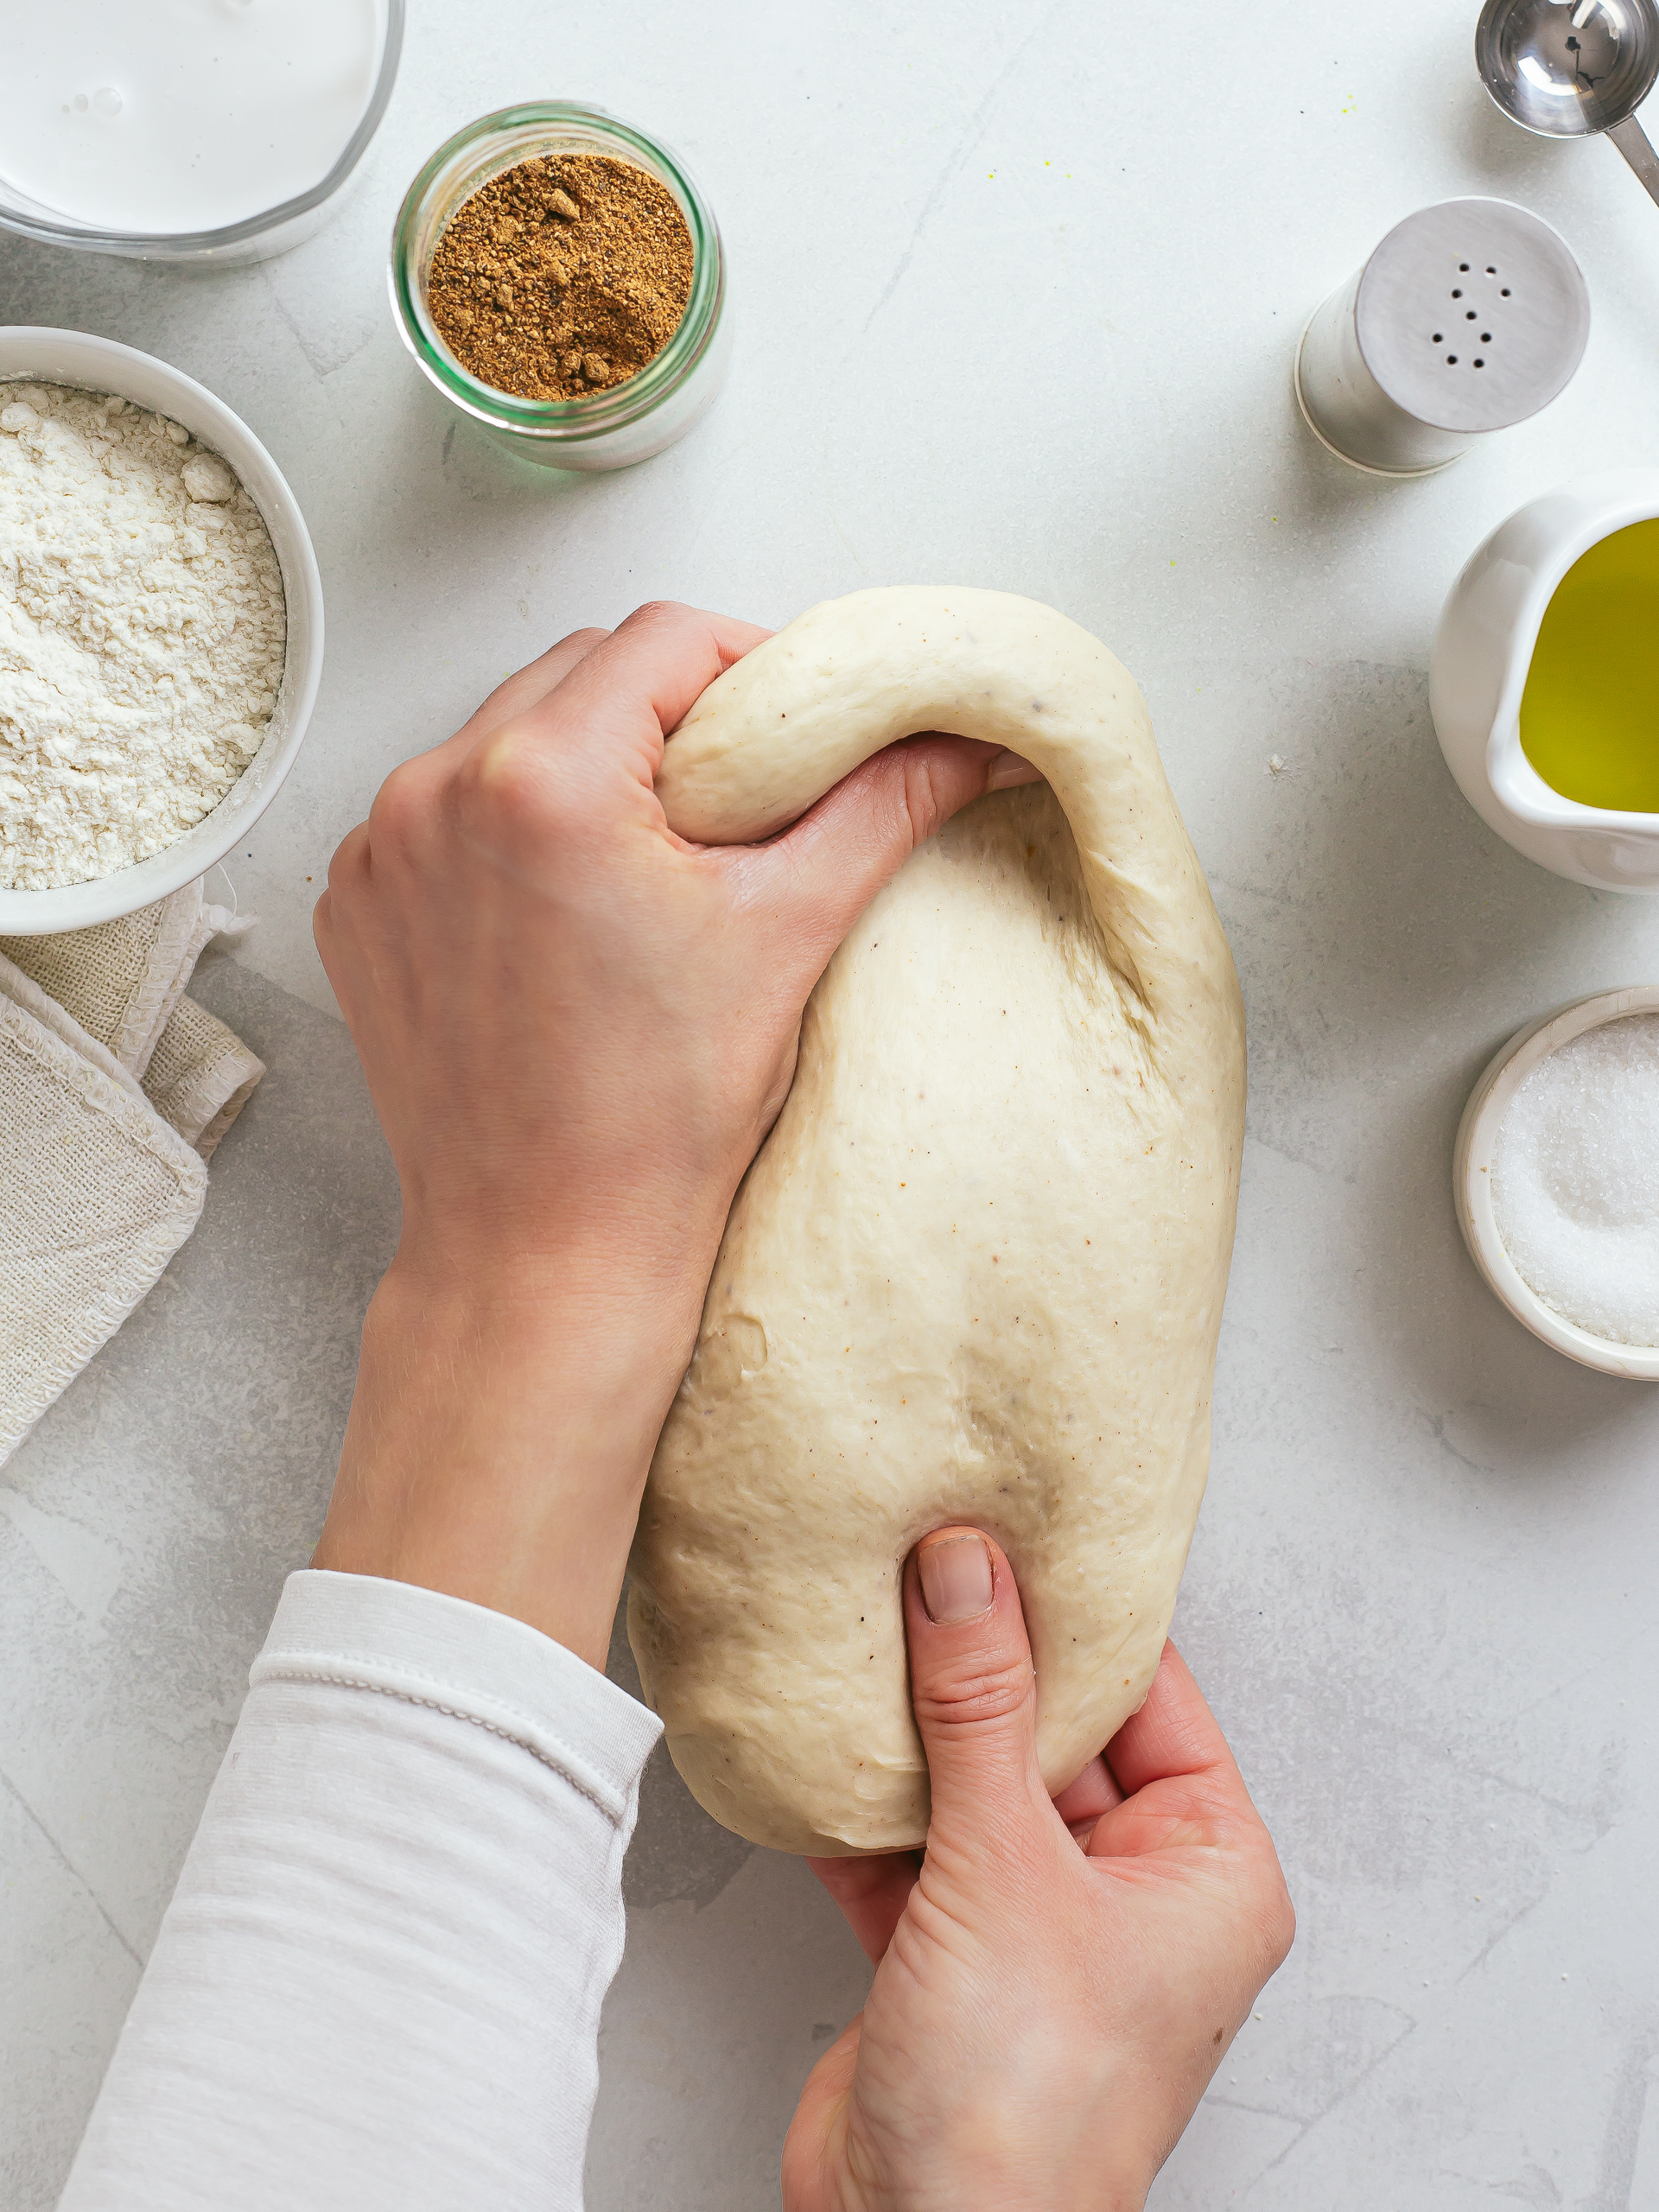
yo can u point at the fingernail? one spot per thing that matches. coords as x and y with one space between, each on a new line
956 1580
1009 769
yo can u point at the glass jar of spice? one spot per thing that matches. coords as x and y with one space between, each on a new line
611 427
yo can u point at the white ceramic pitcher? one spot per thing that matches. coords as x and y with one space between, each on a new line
1483 651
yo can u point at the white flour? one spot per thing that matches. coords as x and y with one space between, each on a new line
141 634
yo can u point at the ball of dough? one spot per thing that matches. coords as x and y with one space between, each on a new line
975 1273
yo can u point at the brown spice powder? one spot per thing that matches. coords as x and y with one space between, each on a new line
562 276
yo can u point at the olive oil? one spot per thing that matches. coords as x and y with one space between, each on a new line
1589 712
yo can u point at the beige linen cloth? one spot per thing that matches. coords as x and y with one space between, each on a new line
114 1090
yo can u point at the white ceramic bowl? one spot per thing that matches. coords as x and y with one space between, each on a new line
1472 1178
71 356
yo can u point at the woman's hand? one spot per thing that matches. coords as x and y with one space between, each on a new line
576 1028
1056 1982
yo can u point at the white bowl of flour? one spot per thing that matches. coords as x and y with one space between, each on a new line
161 629
1556 1179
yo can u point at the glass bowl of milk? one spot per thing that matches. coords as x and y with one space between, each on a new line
195 130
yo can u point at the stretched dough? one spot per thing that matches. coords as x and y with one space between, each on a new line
976 1271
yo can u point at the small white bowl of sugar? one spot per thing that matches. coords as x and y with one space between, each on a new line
161 629
1556 1179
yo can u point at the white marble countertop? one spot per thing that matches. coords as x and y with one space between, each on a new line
1018 290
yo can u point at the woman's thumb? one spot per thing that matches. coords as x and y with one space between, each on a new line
826 870
972 1685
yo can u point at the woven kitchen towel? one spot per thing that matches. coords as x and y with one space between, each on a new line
97 1193
123 982
201 1076
114 1088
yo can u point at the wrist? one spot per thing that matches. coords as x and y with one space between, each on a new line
608 1274
502 1430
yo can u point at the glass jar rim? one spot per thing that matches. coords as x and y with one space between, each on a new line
62 231
596 413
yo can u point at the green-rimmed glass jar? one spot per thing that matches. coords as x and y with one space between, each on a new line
609 428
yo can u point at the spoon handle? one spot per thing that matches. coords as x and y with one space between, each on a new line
1632 141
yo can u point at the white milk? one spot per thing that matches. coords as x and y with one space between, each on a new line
167 116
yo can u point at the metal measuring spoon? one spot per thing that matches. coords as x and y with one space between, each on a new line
1571 68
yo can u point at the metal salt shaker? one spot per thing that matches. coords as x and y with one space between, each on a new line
1470 316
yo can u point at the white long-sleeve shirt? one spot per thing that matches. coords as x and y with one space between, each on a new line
379 1981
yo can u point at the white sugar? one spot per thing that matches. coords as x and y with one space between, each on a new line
1575 1180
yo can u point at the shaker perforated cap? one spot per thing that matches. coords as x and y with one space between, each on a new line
1472 314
